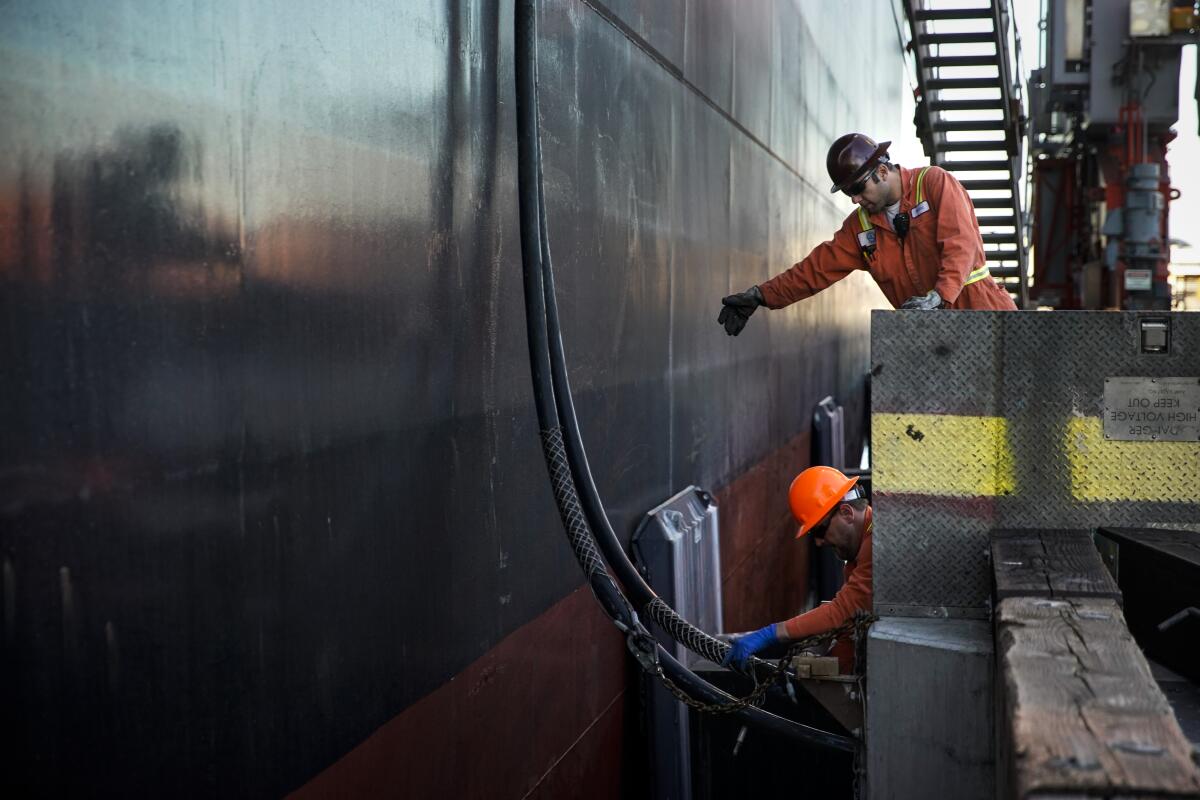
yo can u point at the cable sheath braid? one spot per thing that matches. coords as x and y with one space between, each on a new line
585 498
582 543
685 632
563 448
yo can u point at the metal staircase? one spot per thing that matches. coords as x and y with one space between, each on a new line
970 118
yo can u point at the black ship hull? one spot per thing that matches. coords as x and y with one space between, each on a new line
273 513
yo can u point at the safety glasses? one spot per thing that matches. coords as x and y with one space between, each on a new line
858 188
819 530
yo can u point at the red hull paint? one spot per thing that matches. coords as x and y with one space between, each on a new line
558 684
764 570
542 709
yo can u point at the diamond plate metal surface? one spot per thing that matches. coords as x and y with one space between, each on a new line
983 420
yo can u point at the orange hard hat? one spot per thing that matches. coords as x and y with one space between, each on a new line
814 493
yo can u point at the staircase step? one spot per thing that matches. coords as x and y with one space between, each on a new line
969 125
992 144
1005 272
931 14
960 61
974 37
999 238
1001 255
986 82
976 166
997 220
965 105
986 184
989 202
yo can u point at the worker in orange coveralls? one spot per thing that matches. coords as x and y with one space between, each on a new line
915 231
831 509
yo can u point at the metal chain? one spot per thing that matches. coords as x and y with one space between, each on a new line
859 769
858 786
642 644
855 627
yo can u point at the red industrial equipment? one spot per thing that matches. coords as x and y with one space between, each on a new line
1102 109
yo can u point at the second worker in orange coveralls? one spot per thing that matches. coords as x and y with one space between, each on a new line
832 510
915 231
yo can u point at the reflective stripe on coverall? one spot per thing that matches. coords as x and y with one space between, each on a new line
943 250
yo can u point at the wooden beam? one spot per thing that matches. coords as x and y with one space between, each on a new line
1049 563
1080 709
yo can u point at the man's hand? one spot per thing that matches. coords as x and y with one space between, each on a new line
927 302
745 646
737 308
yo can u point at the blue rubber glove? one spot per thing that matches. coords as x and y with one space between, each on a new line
745 646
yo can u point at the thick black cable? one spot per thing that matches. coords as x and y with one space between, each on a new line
547 365
640 593
528 179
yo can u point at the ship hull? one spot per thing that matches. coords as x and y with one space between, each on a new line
273 513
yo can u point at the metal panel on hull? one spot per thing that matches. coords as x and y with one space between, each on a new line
268 469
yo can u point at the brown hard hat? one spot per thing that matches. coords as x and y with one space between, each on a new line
851 157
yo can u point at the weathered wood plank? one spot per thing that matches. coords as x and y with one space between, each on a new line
1075 568
1082 709
815 666
1019 567
1049 563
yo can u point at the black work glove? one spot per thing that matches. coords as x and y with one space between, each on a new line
737 308
926 302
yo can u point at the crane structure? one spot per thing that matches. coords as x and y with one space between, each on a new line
1102 108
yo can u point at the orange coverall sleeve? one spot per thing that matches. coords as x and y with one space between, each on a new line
959 244
827 264
856 593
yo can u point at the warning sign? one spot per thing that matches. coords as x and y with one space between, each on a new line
1152 409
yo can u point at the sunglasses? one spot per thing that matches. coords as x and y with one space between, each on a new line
819 530
859 187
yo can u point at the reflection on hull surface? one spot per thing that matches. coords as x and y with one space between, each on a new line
270 479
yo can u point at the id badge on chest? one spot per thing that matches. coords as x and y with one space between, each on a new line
919 209
866 239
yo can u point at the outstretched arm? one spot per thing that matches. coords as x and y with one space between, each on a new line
827 264
855 594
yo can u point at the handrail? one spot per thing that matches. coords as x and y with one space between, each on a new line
1002 20
1024 160
910 6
